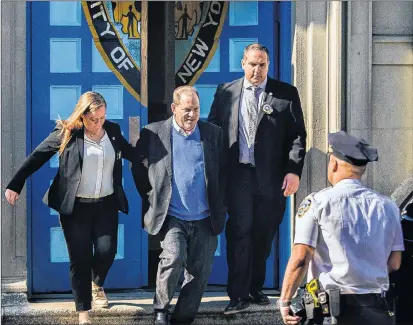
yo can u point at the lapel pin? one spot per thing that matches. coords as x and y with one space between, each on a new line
267 109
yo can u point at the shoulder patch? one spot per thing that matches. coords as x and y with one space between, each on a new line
304 206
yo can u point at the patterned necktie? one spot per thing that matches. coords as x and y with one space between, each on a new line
252 114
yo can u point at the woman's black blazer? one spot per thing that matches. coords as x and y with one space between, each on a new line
62 193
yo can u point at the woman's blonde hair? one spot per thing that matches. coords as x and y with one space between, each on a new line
88 102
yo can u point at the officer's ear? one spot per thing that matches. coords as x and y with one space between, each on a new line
334 163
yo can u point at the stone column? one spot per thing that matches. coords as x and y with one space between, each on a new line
379 87
318 73
13 149
359 63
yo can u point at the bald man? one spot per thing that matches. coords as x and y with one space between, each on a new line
349 238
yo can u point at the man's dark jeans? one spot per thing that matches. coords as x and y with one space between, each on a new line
188 245
90 225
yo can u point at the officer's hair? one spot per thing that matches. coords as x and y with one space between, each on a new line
358 170
178 92
355 170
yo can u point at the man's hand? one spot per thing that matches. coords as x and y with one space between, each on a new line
290 184
11 196
287 318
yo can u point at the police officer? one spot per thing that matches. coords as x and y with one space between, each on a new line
348 237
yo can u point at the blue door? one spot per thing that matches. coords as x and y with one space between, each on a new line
65 63
245 22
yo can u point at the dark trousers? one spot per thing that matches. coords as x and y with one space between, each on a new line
91 225
251 226
188 245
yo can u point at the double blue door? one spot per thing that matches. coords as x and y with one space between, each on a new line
65 63
246 22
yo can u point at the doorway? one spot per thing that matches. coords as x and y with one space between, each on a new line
206 58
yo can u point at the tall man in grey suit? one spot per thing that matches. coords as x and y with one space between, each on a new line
265 137
180 179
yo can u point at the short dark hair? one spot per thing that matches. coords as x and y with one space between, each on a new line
257 47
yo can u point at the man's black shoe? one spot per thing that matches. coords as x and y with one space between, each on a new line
236 306
181 322
259 298
161 318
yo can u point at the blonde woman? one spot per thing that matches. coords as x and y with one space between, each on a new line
86 191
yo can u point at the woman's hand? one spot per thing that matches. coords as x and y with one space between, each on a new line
11 196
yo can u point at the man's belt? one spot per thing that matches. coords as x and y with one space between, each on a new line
362 300
93 199
316 303
248 165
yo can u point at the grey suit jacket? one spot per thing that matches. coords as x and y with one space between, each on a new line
280 140
153 173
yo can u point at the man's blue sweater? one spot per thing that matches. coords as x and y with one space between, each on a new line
189 197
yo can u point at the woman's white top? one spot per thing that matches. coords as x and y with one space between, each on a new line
97 169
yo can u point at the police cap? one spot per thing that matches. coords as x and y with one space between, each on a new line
353 150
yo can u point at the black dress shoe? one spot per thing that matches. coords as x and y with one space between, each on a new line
259 298
175 321
161 318
236 306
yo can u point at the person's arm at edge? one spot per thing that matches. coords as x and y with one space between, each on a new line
294 274
394 261
140 164
42 154
297 136
296 269
213 116
222 170
395 258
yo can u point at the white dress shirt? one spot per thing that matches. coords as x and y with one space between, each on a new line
181 130
97 169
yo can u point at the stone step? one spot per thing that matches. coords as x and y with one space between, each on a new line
134 308
248 318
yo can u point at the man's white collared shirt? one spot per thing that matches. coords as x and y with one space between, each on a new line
182 131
